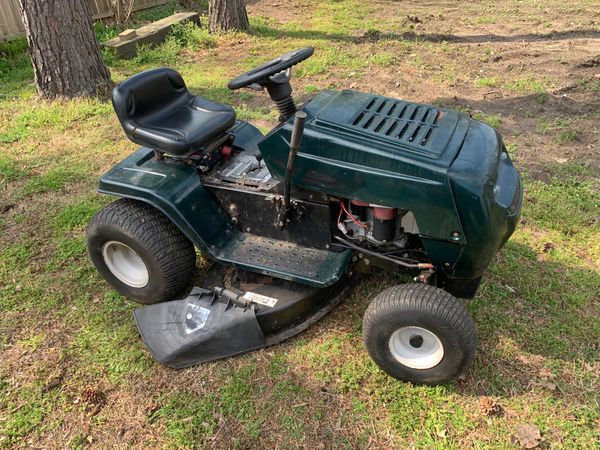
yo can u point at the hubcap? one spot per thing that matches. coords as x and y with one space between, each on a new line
416 347
125 264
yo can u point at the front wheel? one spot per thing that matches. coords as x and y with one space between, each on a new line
140 252
419 333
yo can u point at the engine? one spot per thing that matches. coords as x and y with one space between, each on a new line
379 226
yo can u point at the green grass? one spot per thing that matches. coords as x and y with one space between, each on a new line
52 180
566 137
76 214
188 418
192 37
107 343
536 311
486 82
493 120
591 84
51 117
560 127
15 64
29 412
528 85
9 169
383 59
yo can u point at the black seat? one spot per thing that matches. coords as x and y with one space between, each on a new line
156 110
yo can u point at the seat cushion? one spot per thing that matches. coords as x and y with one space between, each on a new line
156 110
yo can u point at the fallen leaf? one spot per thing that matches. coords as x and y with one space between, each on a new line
528 436
490 407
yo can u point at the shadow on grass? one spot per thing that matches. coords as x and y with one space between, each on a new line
375 35
530 315
550 105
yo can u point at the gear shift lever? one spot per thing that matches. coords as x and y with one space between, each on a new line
259 158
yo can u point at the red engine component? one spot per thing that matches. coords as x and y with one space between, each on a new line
384 213
226 151
381 221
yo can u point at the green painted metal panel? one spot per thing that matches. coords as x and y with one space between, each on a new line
441 165
174 188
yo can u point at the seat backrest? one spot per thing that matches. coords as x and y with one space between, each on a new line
146 93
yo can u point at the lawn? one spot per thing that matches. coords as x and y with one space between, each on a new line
73 371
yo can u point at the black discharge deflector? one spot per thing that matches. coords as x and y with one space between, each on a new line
197 329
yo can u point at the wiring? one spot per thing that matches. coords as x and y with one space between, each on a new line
362 225
405 250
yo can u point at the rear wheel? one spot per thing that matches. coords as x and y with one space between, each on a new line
140 252
419 333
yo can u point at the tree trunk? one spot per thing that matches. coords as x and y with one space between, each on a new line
64 50
227 15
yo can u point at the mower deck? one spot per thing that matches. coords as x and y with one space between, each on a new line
205 326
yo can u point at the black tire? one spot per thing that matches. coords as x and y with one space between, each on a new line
169 257
400 310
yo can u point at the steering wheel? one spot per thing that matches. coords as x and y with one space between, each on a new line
260 75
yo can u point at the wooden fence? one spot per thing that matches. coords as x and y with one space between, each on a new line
11 24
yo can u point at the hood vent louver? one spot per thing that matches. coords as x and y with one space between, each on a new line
412 123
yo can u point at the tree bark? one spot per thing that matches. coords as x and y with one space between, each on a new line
227 15
64 50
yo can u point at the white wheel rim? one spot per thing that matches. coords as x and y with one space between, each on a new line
125 264
416 347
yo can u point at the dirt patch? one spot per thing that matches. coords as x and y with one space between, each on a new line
281 11
539 68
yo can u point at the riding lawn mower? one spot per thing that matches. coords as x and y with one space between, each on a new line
346 185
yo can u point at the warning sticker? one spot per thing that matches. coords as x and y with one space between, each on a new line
260 299
195 318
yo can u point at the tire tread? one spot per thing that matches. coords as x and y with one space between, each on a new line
173 251
410 298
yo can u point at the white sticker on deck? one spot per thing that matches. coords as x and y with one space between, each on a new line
195 318
260 299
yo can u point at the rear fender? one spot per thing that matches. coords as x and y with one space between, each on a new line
174 188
